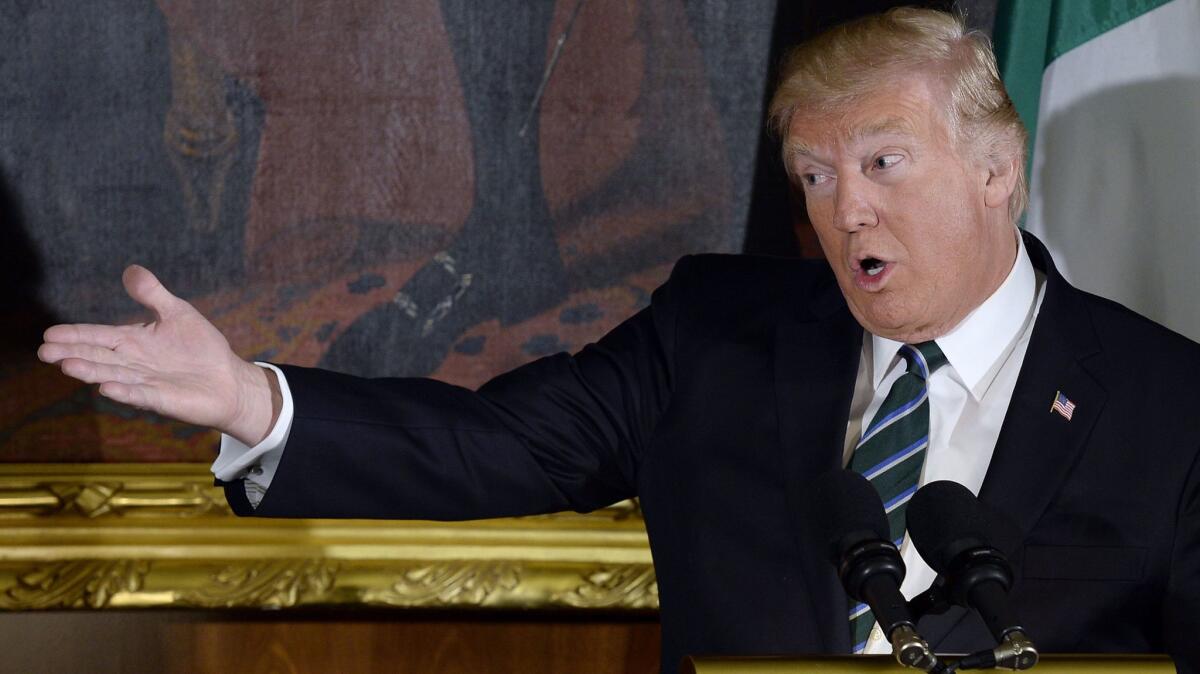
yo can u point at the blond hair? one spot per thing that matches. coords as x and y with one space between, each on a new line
848 61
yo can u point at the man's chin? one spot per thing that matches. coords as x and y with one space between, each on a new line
895 325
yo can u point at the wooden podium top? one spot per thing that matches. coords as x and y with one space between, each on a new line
847 664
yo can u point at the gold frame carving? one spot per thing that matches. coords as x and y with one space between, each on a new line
97 536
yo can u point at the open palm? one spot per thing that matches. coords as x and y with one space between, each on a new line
179 365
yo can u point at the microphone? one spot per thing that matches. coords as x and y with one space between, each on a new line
854 527
954 531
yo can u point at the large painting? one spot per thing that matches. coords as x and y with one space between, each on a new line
429 188
444 188
439 188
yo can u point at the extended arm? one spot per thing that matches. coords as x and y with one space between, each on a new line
564 432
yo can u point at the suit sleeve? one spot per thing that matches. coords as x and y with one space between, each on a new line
561 433
1182 603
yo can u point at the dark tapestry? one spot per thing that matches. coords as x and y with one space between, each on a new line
425 188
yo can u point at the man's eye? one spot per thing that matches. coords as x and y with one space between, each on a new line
887 161
814 179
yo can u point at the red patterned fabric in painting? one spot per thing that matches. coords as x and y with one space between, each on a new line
364 123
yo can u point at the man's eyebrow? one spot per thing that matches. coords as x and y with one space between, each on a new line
884 126
793 147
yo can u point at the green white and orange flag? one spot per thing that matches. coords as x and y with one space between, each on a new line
1110 91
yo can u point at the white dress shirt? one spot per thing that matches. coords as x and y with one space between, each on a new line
257 464
968 398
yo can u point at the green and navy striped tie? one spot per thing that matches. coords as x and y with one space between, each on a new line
891 453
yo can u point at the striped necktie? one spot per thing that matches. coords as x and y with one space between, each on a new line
891 453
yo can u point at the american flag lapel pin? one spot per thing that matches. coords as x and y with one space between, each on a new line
1062 405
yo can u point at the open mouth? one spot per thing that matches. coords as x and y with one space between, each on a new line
873 266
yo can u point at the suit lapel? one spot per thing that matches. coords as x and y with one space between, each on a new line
1037 447
816 361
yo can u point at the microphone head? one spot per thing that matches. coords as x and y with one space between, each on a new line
848 511
946 519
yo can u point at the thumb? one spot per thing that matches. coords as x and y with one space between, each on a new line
145 287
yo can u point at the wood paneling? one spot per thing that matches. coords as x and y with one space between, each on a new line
178 642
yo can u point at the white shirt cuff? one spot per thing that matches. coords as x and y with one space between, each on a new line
257 464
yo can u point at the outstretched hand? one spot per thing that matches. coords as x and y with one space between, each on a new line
179 365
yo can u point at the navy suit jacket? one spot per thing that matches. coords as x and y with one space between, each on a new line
720 403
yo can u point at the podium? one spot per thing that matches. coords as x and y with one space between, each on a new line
852 664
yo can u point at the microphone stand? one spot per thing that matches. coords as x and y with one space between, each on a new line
871 572
1015 651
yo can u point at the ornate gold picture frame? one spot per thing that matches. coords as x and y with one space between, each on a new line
100 536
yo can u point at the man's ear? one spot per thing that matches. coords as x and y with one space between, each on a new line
1001 181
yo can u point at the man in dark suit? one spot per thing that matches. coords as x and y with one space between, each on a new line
747 378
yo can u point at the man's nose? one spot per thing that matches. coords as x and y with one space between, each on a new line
854 206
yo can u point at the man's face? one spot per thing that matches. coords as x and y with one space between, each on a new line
916 229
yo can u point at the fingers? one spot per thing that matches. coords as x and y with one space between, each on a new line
142 286
145 287
54 352
142 397
99 373
103 336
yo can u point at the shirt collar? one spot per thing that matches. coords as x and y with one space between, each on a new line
977 344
